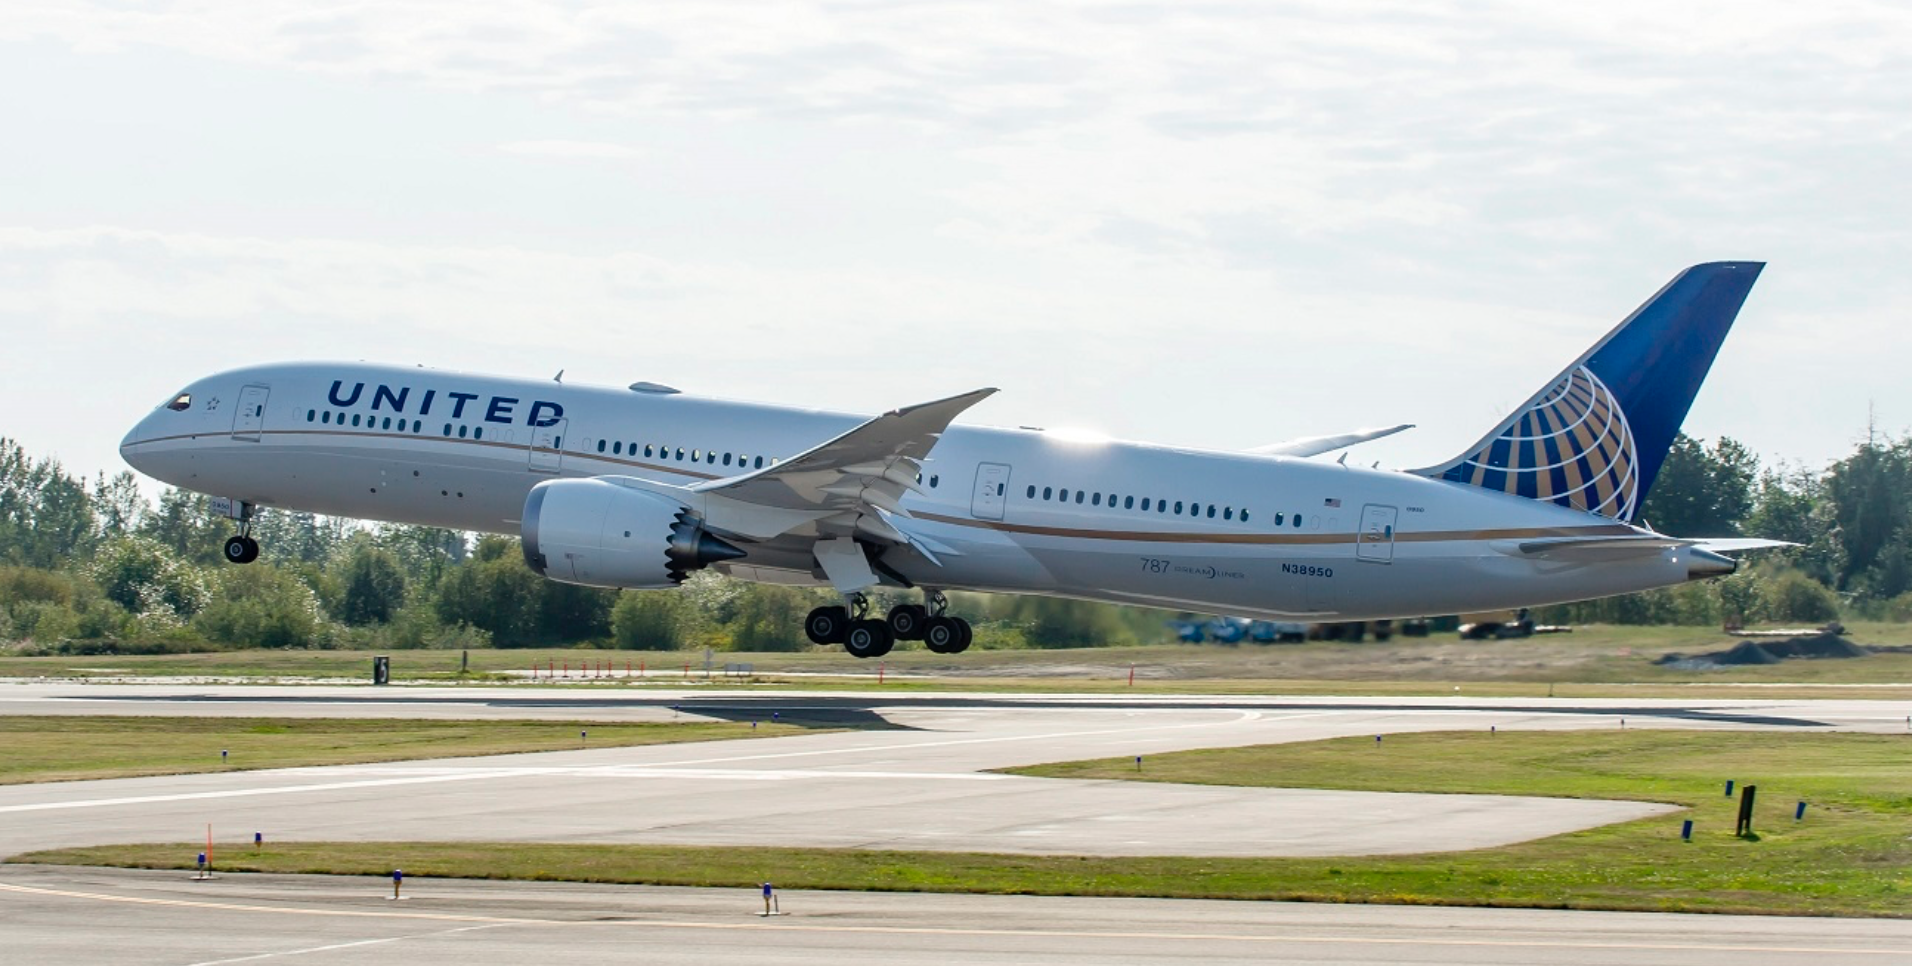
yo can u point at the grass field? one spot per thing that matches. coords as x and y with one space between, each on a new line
1851 855
70 748
1592 662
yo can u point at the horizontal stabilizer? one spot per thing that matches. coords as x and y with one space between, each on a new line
1736 544
1643 544
1316 445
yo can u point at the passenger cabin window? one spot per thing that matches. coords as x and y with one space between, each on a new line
181 402
1128 503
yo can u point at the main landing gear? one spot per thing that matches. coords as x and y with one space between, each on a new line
864 636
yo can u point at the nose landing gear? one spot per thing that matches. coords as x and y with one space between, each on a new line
242 549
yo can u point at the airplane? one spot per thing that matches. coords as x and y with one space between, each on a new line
640 487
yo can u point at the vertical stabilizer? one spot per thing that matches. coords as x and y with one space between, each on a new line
1594 436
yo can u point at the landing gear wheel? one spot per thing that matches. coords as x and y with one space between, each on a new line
241 550
944 635
827 625
907 620
969 634
868 638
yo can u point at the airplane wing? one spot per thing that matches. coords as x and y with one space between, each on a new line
849 488
871 465
1316 445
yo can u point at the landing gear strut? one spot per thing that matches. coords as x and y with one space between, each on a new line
242 549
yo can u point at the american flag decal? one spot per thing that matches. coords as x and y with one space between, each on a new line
1330 501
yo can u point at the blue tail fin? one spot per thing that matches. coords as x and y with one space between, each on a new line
1595 436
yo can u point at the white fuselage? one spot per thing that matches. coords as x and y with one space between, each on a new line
1192 530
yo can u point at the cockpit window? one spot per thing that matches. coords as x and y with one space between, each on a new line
181 402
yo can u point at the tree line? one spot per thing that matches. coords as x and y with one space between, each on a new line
92 565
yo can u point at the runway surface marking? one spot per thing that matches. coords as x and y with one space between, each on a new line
784 926
625 767
353 945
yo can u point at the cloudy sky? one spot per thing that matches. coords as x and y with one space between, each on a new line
1215 224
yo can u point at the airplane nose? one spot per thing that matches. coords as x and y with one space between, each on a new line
129 446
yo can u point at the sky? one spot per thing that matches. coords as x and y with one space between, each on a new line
1206 224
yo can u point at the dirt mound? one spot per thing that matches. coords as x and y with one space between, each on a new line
1770 652
1816 645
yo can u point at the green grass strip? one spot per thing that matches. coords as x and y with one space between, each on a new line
44 748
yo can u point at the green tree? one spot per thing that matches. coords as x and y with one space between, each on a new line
426 552
649 620
46 516
184 524
1056 622
296 535
1869 496
769 617
371 586
1702 492
118 505
498 595
260 605
148 579
568 612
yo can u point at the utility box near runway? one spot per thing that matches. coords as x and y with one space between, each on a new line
381 670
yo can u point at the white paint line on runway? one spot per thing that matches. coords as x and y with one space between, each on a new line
354 945
248 792
791 927
645 771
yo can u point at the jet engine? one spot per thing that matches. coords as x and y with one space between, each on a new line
600 534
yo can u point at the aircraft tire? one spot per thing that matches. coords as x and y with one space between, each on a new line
827 625
942 635
241 550
907 621
868 638
969 634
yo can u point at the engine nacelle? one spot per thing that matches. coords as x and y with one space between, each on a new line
601 534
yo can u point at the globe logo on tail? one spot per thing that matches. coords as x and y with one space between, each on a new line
1571 446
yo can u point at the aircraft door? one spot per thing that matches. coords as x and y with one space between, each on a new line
1375 542
251 413
547 447
992 491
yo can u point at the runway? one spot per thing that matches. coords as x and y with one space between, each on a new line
92 917
922 781
914 776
